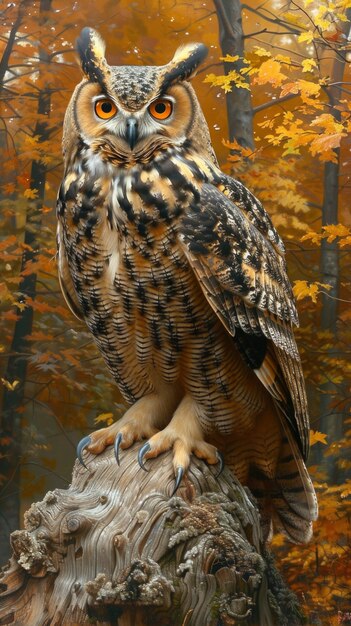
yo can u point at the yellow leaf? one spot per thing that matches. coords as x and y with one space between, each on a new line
225 82
317 437
269 123
312 236
328 122
304 289
269 72
283 59
331 231
291 199
325 144
31 140
323 23
261 52
8 385
345 241
289 88
307 37
322 19
30 193
308 90
211 78
293 18
238 79
241 150
104 417
342 16
308 65
230 59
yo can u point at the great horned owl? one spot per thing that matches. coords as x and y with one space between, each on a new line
180 275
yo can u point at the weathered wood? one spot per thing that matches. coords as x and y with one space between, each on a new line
117 549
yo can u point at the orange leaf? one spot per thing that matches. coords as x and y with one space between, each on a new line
289 88
269 72
9 188
317 437
30 193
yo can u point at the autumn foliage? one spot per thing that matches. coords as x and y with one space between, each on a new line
55 387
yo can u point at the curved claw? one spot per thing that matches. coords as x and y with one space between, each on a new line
143 450
180 474
86 441
220 459
116 447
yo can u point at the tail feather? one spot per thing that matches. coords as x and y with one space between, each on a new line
295 528
294 480
288 501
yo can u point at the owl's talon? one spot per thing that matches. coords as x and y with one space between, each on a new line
180 474
220 459
116 446
143 450
86 441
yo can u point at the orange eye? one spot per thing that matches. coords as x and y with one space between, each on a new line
161 109
105 108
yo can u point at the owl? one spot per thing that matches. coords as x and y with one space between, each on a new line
180 276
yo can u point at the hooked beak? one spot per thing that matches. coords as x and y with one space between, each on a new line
132 131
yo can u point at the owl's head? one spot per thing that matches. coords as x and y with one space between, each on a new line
127 113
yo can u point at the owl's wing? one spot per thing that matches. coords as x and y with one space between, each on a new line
65 278
242 273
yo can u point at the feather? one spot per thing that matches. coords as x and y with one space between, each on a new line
228 253
91 50
65 279
183 65
244 279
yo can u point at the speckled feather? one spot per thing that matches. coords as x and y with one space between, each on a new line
180 276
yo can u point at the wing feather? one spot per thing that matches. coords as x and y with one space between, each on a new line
253 209
242 272
65 278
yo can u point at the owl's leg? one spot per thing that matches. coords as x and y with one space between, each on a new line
141 421
184 435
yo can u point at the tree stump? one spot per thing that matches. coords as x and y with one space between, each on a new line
116 548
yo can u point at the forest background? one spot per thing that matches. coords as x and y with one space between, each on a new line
275 90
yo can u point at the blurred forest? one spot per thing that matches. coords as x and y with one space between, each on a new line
277 100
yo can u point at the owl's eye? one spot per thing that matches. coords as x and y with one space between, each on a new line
161 109
105 108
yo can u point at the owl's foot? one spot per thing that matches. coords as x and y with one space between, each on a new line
141 421
184 435
121 434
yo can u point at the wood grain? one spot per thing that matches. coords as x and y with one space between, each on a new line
116 549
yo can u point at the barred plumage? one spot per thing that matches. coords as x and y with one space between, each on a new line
180 276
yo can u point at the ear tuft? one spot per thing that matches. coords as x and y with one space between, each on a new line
184 64
91 50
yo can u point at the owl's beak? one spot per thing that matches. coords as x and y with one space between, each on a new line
132 131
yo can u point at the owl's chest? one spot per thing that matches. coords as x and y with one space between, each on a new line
125 259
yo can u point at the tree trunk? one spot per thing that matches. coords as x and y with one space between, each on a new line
116 548
4 63
10 433
231 36
332 422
